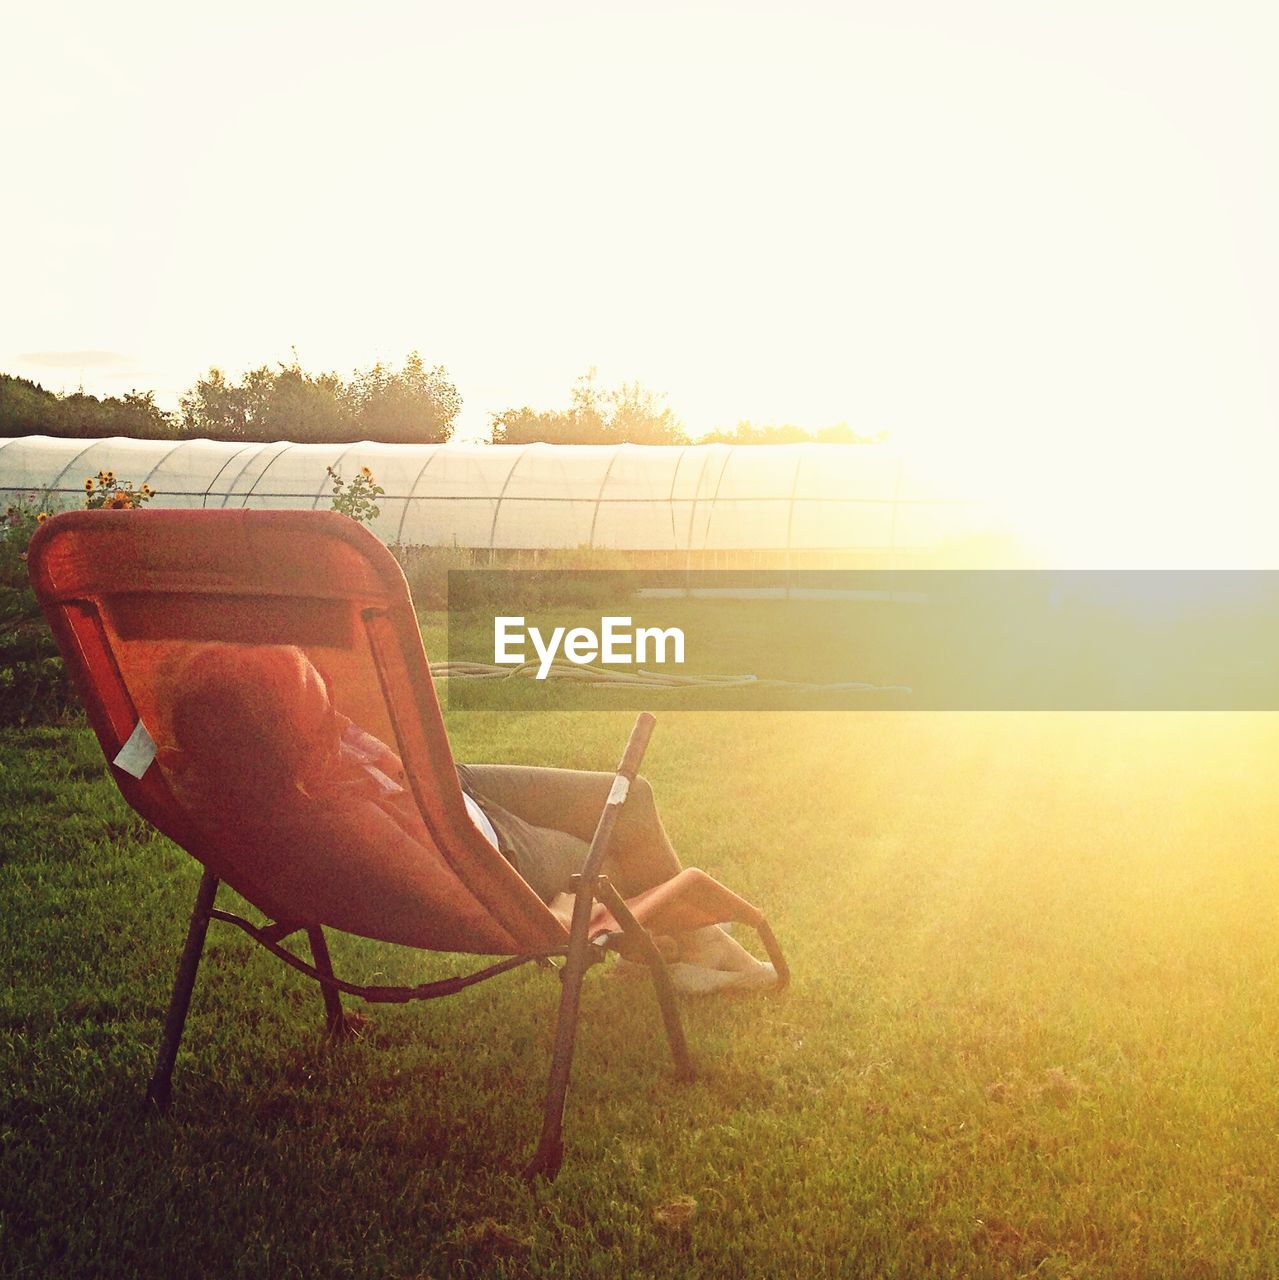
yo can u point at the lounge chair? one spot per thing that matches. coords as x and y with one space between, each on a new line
130 594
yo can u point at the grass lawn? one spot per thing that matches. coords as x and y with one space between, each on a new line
1033 1029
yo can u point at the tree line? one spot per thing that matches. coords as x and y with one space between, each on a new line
410 404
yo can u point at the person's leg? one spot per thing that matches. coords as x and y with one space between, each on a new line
568 803
545 819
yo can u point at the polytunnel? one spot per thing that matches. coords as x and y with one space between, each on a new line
708 497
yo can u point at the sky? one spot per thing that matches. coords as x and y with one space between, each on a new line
1039 235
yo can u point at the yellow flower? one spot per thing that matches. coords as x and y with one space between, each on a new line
366 473
88 484
120 501
42 517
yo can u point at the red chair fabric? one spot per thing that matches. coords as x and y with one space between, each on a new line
263 647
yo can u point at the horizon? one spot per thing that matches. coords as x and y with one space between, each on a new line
460 435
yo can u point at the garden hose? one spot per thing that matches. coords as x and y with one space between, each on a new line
596 677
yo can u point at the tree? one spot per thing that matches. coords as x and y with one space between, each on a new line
215 408
527 426
629 414
640 418
787 433
414 405
285 403
26 408
294 405
137 414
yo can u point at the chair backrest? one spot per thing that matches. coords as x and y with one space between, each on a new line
132 596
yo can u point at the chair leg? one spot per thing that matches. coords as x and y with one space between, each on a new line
550 1150
640 937
685 1071
549 1155
160 1087
335 1020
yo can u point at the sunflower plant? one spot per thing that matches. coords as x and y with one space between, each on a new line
20 521
106 492
358 498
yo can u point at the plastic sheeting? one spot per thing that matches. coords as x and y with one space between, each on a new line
629 497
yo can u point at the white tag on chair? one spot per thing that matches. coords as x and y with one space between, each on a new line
136 755
621 787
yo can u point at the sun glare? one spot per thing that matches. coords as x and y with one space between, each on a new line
1126 517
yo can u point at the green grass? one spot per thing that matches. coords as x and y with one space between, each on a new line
1032 1029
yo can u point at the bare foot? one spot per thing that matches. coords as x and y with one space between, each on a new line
711 961
705 962
698 980
714 948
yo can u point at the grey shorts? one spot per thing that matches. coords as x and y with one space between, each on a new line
546 857
545 819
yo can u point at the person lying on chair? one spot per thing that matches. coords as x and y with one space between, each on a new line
262 756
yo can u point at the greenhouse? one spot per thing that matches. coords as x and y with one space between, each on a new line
694 498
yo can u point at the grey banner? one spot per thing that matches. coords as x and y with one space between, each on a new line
910 640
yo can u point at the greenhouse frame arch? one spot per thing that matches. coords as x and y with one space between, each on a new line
660 498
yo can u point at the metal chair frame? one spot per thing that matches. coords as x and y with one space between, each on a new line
579 955
70 587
